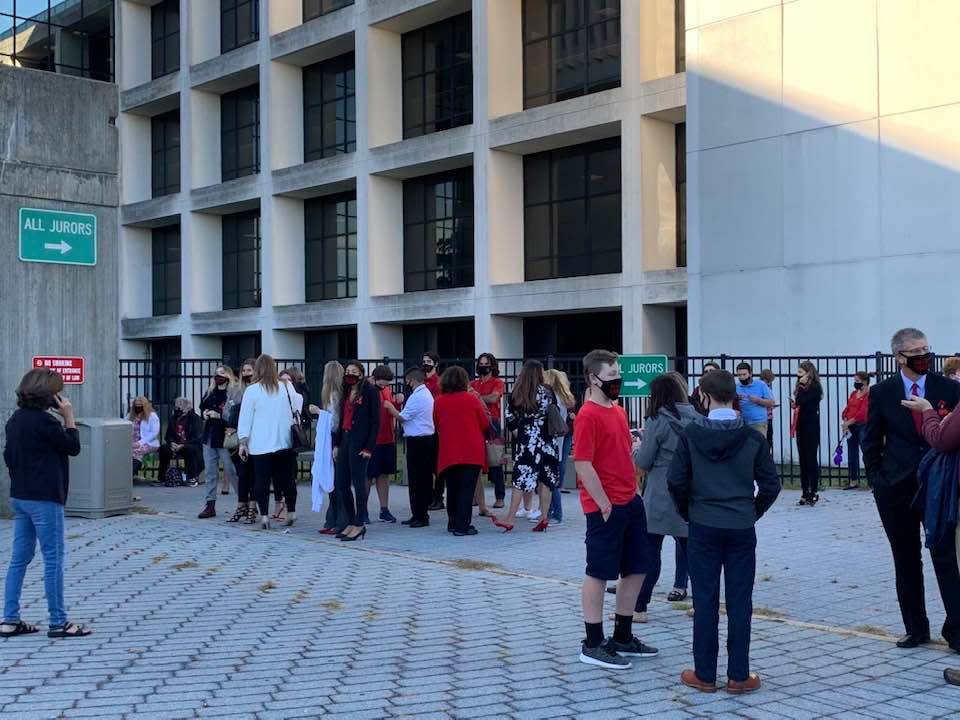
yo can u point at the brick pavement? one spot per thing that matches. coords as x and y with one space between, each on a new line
201 619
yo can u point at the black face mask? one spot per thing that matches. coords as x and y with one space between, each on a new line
483 370
746 382
427 368
920 364
247 379
350 380
611 388
220 381
138 408
858 386
177 412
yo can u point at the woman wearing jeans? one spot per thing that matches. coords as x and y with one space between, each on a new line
558 381
266 416
36 454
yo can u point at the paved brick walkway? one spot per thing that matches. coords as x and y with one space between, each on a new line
201 619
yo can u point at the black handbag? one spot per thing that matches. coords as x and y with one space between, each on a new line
556 425
298 436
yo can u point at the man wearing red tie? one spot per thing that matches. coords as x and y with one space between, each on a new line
892 449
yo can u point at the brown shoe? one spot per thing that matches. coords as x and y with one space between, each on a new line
208 512
952 675
735 687
690 679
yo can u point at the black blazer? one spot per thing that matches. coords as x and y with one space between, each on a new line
194 429
892 448
366 418
36 453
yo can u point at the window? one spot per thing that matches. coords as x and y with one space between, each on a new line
572 211
241 260
331 252
321 346
165 153
450 340
165 37
570 48
239 23
438 77
574 334
166 271
240 133
237 348
680 36
680 134
438 231
329 108
316 8
166 375
70 38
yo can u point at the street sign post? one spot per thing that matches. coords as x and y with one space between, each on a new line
61 238
71 368
638 371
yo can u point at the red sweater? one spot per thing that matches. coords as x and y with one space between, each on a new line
856 409
943 434
461 422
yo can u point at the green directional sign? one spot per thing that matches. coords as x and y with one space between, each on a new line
638 371
52 236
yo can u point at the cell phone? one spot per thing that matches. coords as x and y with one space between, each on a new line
636 432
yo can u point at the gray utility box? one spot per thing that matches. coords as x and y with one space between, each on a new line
101 477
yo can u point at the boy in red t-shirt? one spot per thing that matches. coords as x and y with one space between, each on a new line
616 520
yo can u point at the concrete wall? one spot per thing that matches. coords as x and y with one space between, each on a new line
58 151
823 174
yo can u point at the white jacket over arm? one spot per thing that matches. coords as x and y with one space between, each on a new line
265 418
150 431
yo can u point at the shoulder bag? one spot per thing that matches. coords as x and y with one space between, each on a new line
556 425
298 436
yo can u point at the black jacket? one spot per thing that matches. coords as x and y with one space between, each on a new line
36 453
194 428
808 401
892 447
366 419
713 472
214 429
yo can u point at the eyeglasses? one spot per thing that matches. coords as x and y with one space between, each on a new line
925 350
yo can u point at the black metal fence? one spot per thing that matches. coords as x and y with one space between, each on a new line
165 380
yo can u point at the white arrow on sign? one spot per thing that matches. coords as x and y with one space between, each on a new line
63 246
638 384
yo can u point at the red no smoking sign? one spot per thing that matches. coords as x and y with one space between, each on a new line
71 368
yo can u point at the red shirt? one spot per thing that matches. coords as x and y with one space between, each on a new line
601 436
461 423
348 406
490 386
386 434
433 384
856 409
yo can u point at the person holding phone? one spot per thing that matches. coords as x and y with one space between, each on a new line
37 453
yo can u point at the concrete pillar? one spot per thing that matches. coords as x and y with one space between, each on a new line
201 347
499 44
284 15
504 226
653 37
204 131
384 92
201 250
501 335
205 29
383 200
134 66
136 286
658 174
287 252
135 158
377 340
286 127
283 344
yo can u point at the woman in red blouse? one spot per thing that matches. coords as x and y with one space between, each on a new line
489 386
854 418
461 422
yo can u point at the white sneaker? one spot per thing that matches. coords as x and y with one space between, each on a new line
534 515
521 512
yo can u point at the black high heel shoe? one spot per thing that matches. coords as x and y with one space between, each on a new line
359 536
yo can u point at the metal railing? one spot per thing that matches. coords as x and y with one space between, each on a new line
164 380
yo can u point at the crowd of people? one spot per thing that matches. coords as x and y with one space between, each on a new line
701 471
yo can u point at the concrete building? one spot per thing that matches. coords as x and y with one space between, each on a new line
324 177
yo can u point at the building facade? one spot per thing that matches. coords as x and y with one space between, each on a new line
327 178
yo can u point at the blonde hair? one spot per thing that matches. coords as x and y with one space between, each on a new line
560 384
147 407
951 366
232 380
265 373
332 384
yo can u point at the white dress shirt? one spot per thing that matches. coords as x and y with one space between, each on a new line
417 413
265 418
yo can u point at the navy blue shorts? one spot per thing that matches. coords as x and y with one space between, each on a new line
618 547
383 461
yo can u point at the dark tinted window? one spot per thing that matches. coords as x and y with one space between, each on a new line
166 271
438 77
165 153
572 211
681 144
241 260
329 108
165 37
321 346
450 340
239 23
331 250
316 8
574 334
237 348
240 133
570 48
438 231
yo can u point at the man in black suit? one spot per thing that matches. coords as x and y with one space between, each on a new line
892 449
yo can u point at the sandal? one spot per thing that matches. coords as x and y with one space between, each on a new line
69 630
485 513
19 628
677 596
279 510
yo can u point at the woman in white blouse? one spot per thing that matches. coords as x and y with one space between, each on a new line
146 430
266 416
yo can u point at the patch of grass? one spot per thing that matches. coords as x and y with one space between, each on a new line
136 651
872 630
268 586
766 578
682 606
371 615
467 564
768 613
332 605
214 569
157 559
143 510
185 565
74 536
300 596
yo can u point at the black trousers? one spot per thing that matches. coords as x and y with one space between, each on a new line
651 578
808 443
350 481
461 482
271 467
244 478
902 527
709 551
421 464
853 453
192 460
438 483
